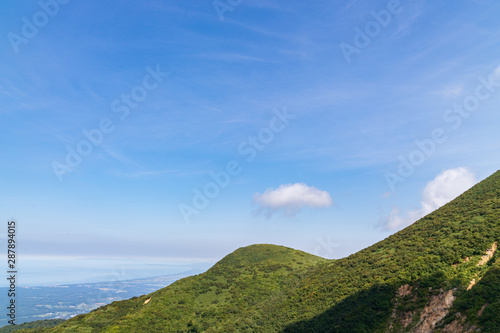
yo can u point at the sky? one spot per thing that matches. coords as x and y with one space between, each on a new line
176 130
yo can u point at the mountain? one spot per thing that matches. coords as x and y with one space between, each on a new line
64 301
31 324
441 274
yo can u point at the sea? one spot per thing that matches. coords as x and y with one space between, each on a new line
61 288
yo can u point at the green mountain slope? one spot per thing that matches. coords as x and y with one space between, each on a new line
439 274
32 324
228 297
428 254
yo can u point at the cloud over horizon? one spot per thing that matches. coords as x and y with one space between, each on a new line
291 198
448 185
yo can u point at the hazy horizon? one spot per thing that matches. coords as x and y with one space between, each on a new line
186 130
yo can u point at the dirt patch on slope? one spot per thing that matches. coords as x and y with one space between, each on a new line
489 254
433 312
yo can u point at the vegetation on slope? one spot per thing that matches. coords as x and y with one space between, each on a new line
265 288
480 305
430 253
32 325
228 297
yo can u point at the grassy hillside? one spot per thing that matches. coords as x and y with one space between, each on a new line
228 297
481 305
403 283
428 254
32 324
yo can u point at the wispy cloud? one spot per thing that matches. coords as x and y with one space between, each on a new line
291 198
452 91
121 158
147 174
143 174
406 24
234 57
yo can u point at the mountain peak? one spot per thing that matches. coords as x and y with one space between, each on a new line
391 286
266 252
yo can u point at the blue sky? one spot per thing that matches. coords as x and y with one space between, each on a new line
318 180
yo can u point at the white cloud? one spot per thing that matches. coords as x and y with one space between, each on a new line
496 72
448 185
291 198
